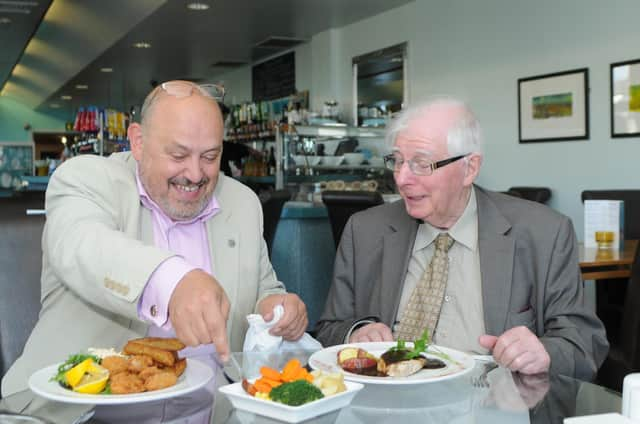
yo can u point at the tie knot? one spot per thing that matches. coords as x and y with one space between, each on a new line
444 242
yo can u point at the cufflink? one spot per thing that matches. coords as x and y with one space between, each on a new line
153 310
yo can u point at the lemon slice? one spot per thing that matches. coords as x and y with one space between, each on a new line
94 381
75 374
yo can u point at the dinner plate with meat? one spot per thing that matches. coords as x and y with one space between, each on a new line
387 363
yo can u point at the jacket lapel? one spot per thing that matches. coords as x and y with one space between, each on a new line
396 252
497 249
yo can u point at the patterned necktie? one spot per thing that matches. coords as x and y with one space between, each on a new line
423 308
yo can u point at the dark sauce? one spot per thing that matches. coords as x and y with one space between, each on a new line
393 356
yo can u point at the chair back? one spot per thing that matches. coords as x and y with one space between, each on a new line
342 204
624 350
271 210
20 267
631 207
536 194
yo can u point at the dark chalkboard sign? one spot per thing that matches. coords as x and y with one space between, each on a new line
274 78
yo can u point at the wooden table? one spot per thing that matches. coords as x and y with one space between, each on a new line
597 264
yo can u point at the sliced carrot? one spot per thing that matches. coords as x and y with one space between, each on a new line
261 386
270 382
291 370
249 388
270 373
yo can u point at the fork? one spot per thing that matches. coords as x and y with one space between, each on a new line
481 381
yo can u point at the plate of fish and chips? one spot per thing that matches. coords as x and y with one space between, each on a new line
148 369
363 363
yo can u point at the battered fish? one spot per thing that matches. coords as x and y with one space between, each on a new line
161 343
162 356
115 364
160 380
125 383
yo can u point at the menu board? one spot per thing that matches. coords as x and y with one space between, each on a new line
275 78
604 215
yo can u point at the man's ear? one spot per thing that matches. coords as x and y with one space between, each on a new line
474 161
135 140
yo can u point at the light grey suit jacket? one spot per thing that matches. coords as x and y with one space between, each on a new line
529 271
99 253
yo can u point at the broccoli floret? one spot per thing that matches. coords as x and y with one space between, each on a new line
295 393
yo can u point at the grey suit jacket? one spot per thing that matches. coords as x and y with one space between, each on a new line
99 253
529 270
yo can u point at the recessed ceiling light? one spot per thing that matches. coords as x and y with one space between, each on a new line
5 20
82 87
197 6
66 97
142 45
106 70
54 106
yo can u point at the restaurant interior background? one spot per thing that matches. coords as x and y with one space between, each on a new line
473 49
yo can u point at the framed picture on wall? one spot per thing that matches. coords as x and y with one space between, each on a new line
554 107
625 99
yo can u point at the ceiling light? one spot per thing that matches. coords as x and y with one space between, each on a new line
66 97
82 87
63 140
197 6
5 20
54 105
107 70
142 45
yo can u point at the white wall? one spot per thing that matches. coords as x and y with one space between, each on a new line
478 50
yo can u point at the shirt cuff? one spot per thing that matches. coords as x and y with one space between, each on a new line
356 325
154 302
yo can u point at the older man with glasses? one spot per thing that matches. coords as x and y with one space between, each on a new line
155 242
483 272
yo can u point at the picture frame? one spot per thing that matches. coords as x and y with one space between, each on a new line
625 98
554 107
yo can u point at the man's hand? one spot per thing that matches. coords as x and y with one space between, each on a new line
198 310
518 349
375 332
293 322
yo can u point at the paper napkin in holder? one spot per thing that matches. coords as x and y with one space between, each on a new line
258 338
261 348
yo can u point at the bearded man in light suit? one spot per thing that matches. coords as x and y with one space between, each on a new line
514 287
156 241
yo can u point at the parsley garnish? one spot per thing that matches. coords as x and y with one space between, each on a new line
419 346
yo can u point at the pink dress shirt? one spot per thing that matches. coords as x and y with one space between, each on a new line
189 241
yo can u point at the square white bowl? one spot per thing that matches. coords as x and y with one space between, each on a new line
243 401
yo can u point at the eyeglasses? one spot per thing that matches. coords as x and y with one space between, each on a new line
419 165
182 89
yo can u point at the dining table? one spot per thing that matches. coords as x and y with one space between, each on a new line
486 393
600 264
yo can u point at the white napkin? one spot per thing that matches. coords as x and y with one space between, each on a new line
258 338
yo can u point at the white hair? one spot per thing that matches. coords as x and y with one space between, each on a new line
463 136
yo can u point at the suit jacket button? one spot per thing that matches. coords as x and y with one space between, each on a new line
231 243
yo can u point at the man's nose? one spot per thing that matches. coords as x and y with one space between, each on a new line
193 170
404 174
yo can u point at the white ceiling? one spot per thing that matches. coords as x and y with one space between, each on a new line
78 37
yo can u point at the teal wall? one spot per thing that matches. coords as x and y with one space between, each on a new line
14 115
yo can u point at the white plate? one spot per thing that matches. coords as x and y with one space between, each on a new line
195 376
243 401
327 359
